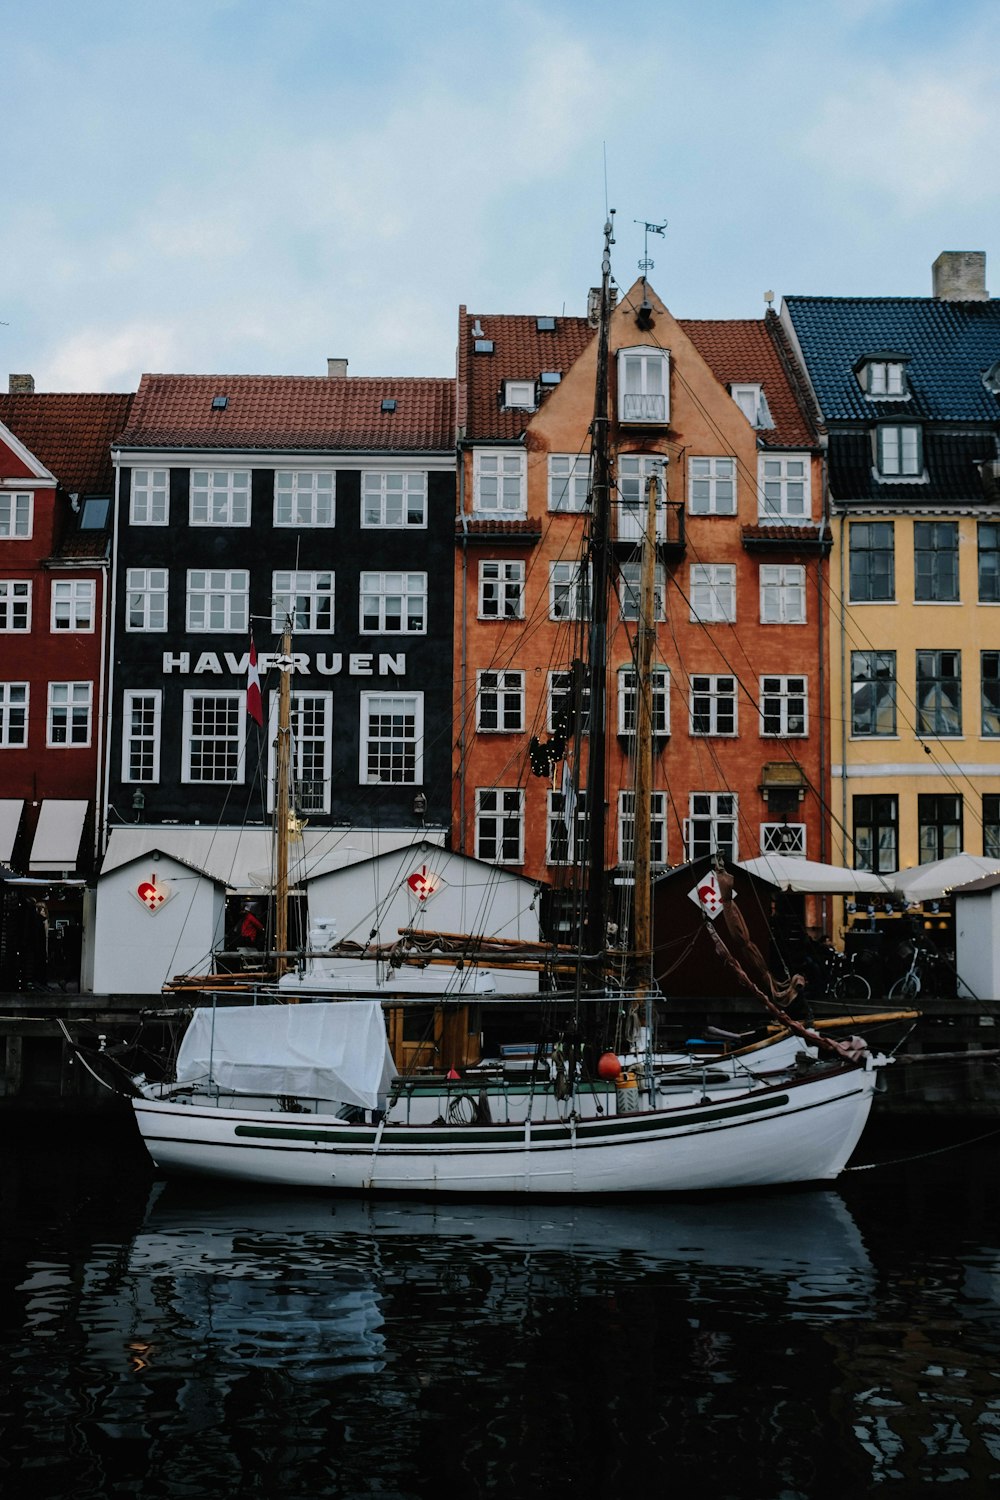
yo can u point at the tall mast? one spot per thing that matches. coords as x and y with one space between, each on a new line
642 891
281 802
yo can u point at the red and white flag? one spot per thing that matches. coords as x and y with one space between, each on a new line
255 706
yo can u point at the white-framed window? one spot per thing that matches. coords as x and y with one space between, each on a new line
713 704
15 604
520 395
498 481
630 595
311 750
628 701
632 506
712 592
146 595
141 717
305 497
752 402
220 497
783 838
783 487
305 598
899 452
500 702
782 594
214 736
560 692
712 486
14 699
569 591
393 604
569 481
149 503
657 828
392 738
73 604
394 501
566 830
784 707
501 590
884 378
500 825
644 386
218 599
711 826
69 715
17 513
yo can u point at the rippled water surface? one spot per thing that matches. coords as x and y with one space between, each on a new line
167 1341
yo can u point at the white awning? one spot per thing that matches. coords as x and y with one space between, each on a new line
57 836
10 819
793 874
931 882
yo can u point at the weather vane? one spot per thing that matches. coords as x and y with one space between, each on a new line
646 264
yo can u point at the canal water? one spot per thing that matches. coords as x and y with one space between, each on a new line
160 1340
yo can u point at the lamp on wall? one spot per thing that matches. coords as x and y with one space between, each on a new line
419 805
138 803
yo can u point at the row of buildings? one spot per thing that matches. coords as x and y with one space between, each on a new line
827 651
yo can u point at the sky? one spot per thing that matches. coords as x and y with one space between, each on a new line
252 186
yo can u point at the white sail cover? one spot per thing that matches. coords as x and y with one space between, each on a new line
338 1050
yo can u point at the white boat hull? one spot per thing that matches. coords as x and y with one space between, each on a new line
802 1131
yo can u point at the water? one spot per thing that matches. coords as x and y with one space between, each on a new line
169 1341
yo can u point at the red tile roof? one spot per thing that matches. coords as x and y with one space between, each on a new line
292 412
70 434
754 351
521 351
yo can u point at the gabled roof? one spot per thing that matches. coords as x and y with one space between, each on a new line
754 351
520 351
292 412
70 434
950 345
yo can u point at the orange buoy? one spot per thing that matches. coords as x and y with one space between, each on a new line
608 1065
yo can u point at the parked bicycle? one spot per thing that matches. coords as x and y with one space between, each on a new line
923 963
843 981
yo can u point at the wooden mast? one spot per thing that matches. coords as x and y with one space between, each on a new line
642 888
282 807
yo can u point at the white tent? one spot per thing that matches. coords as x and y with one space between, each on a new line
794 874
931 882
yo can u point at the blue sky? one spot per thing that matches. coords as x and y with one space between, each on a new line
250 186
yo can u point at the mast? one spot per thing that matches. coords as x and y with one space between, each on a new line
642 890
281 802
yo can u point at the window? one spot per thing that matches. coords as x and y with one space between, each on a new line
150 502
220 497
657 828
753 404
991 825
69 713
519 394
15 604
498 479
783 838
876 834
939 693
712 486
500 825
94 515
501 590
872 561
569 591
393 603
13 714
935 560
784 707
567 828
940 822
73 604
899 452
392 738
394 501
628 701
146 591
304 598
218 599
304 497
783 487
500 702
782 594
214 725
569 481
711 826
989 562
16 516
643 386
632 506
884 378
873 693
712 592
989 677
311 723
560 695
713 705
631 591
141 712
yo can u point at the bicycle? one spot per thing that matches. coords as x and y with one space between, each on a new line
907 986
843 980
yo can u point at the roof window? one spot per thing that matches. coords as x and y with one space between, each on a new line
550 377
389 403
219 403
94 514
483 346
545 325
520 394
752 402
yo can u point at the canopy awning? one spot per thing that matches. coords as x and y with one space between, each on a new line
931 882
793 874
10 820
56 844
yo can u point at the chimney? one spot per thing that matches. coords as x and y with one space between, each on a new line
594 304
960 276
336 369
21 385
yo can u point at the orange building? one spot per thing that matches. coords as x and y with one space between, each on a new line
714 414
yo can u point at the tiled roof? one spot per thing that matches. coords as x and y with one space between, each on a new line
754 351
293 412
526 530
950 345
951 460
70 434
521 351
765 538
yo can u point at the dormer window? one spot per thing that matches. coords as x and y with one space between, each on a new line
519 395
752 403
883 377
644 387
899 452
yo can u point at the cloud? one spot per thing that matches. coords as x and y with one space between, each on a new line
103 358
